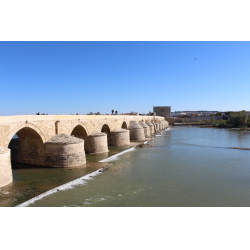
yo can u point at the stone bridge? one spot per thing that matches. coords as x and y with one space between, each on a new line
39 134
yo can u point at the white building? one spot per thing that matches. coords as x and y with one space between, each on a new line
176 114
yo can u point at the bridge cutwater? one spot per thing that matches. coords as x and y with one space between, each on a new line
63 140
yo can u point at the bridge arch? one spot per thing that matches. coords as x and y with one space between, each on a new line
29 146
80 131
124 125
22 129
73 125
105 129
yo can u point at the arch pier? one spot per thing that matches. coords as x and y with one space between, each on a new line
155 127
145 128
97 143
119 137
5 167
64 151
165 124
158 126
151 127
60 151
162 125
136 131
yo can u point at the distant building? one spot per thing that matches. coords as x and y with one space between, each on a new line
164 111
199 113
177 114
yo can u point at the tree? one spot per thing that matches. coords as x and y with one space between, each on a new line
98 113
239 119
212 119
116 112
90 113
37 113
243 118
228 113
112 111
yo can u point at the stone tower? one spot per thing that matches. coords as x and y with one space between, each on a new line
164 111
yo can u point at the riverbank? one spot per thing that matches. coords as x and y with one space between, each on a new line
209 125
192 124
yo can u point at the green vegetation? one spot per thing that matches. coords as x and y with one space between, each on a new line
239 120
91 113
221 124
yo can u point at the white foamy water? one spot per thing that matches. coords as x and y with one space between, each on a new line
157 135
79 181
115 157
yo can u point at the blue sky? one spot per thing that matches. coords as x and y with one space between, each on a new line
83 77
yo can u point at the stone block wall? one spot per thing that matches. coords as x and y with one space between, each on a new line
5 167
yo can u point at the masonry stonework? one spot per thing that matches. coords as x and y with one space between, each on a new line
145 128
64 151
97 143
119 137
164 111
136 131
5 167
34 131
151 127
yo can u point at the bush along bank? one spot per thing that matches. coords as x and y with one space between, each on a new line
239 120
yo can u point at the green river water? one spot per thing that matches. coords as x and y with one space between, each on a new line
189 167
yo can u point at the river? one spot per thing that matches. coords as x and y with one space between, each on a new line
188 167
